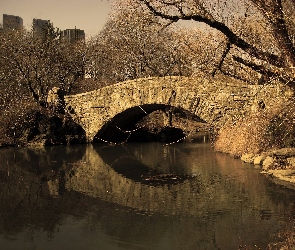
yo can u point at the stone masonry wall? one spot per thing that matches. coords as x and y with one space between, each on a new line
212 99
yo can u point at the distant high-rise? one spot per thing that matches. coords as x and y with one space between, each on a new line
41 27
73 35
12 22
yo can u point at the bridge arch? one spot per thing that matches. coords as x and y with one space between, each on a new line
211 99
124 126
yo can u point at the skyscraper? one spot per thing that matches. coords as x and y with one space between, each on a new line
12 22
73 35
41 27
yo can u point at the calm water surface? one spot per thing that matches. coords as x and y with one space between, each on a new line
136 196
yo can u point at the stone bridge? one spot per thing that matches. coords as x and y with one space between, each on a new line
214 100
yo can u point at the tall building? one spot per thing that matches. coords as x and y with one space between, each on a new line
73 35
41 27
12 22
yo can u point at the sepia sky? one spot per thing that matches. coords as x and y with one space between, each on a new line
88 15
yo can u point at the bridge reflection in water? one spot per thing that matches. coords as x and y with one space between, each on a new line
200 189
212 201
100 176
228 200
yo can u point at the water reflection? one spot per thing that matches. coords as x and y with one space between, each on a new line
96 196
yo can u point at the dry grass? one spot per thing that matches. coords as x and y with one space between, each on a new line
272 127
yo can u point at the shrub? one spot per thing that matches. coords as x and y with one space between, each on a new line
267 128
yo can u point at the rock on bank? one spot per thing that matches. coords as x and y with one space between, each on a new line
278 164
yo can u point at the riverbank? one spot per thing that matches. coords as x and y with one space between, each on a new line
277 164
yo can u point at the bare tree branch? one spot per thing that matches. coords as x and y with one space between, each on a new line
224 54
232 37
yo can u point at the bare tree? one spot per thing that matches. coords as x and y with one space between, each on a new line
40 63
222 16
133 45
30 66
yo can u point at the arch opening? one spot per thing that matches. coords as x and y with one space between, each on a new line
150 122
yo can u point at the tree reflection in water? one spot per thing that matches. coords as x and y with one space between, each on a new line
94 195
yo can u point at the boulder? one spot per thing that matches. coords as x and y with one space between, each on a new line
283 175
258 160
291 161
248 158
284 152
268 162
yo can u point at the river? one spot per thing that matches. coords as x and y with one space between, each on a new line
137 196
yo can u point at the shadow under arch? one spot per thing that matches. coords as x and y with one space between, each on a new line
121 126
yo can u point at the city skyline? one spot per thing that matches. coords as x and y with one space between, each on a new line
89 15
